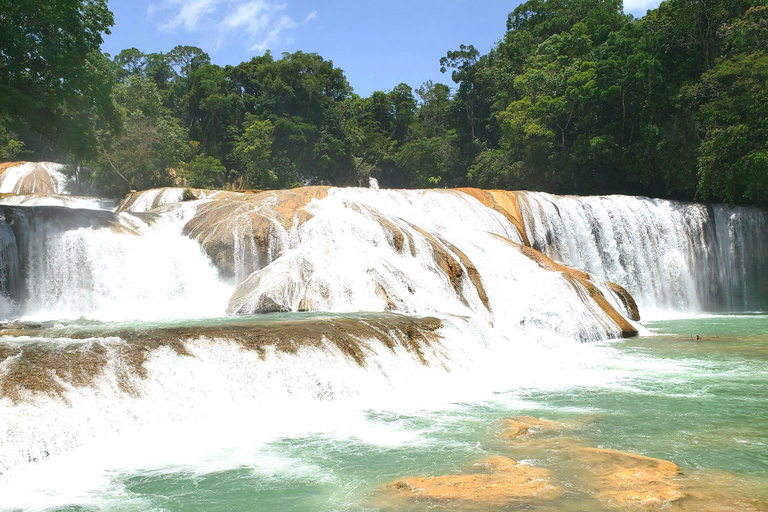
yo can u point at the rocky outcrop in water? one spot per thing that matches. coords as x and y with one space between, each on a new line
28 178
322 249
524 425
500 481
631 480
30 369
504 202
286 260
146 200
584 281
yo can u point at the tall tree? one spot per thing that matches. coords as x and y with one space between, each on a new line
734 114
48 51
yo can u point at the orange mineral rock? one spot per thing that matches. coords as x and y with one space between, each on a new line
501 480
629 479
522 425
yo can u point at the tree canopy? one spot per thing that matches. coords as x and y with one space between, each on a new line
576 97
53 77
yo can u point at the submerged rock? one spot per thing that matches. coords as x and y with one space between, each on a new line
628 479
500 480
523 425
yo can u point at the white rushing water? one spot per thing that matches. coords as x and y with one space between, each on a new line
673 257
33 178
98 265
520 329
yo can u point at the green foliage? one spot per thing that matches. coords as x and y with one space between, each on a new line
429 162
10 146
734 115
253 152
577 97
205 172
52 77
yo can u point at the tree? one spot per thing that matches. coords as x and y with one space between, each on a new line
253 151
45 48
434 109
300 95
733 165
205 172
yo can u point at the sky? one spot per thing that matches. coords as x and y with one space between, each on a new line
377 44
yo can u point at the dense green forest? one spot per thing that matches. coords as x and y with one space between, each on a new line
576 97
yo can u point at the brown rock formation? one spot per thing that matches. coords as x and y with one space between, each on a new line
37 180
187 194
252 222
502 480
396 235
626 299
522 425
581 278
48 368
454 268
4 166
629 479
504 202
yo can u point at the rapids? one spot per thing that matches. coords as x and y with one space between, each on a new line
130 334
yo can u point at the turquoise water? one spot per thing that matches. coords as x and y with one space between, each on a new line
701 404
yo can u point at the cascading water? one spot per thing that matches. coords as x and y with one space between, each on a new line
119 356
673 257
33 178
72 263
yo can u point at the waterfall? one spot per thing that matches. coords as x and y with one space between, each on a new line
68 263
140 320
674 257
33 178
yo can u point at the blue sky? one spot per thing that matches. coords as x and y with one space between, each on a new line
377 44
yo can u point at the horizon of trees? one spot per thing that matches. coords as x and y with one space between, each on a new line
576 98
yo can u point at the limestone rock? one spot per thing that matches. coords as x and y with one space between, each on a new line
629 479
583 279
41 368
626 299
504 202
454 268
500 481
522 425
254 223
27 178
146 200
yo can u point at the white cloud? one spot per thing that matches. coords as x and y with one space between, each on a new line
184 13
257 24
640 6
